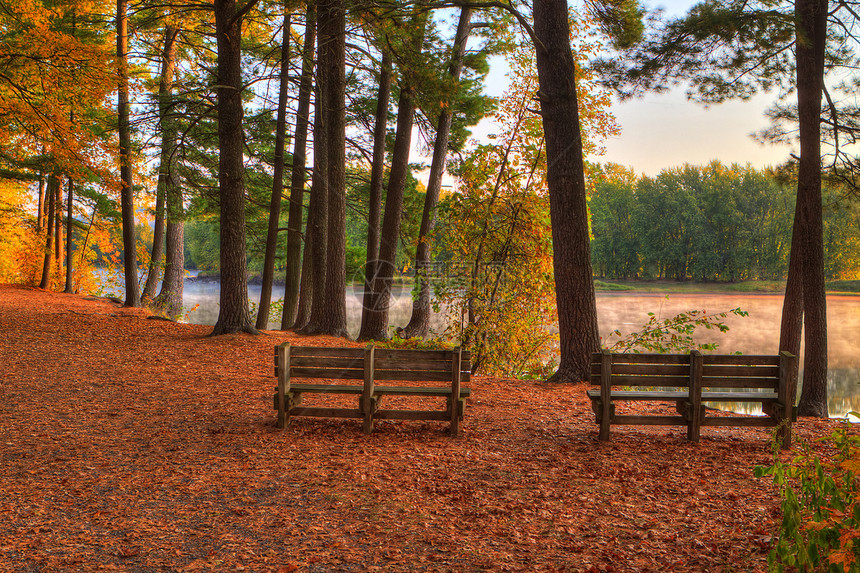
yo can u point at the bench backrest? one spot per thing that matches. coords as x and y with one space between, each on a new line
333 363
674 370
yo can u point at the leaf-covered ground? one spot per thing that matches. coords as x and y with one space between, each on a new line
129 444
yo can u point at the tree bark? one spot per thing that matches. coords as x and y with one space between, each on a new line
129 241
332 54
50 199
277 182
811 18
377 176
577 309
168 144
374 320
40 209
58 227
306 289
298 177
234 315
317 227
169 299
419 323
69 244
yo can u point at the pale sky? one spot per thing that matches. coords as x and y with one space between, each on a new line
662 131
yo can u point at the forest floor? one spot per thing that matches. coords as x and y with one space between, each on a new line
129 444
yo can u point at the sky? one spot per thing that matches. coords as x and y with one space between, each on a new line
666 130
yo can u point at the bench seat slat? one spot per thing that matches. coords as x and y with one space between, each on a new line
674 395
327 388
419 391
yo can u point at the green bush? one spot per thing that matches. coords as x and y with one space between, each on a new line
820 529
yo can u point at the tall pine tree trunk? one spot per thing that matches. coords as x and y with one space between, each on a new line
298 178
317 227
374 320
577 308
168 144
377 176
419 323
234 315
332 73
132 292
277 182
169 299
811 18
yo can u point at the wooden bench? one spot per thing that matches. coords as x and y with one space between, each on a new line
691 379
327 366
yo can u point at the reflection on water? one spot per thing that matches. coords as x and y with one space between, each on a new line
757 333
206 294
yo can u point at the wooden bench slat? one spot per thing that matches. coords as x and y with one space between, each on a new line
338 362
650 420
757 383
405 354
742 359
327 388
740 370
647 358
332 352
419 391
739 396
408 376
736 421
637 395
328 373
670 381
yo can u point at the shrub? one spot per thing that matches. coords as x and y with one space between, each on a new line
820 525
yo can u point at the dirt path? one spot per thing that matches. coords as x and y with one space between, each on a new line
138 445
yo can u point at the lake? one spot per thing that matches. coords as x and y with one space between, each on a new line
757 333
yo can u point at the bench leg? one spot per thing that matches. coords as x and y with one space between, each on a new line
368 407
605 417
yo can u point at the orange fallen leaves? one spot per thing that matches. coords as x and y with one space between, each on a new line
135 445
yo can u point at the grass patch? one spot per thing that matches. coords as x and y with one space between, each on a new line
843 286
604 286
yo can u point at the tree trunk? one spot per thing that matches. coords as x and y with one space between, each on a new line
132 292
69 244
234 315
298 178
332 56
58 227
577 309
419 323
377 176
277 182
168 144
374 320
169 299
50 199
317 228
306 289
40 209
811 18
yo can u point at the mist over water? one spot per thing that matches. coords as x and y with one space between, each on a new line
757 333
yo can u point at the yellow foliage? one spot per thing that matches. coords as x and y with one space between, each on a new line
17 234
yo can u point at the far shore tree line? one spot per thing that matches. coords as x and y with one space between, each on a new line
289 124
